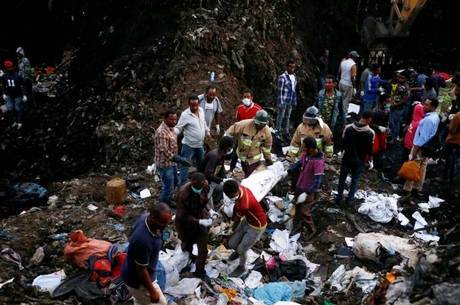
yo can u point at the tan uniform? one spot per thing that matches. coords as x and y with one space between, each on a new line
317 132
252 144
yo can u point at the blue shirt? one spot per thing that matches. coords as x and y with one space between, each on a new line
143 250
426 129
371 88
286 94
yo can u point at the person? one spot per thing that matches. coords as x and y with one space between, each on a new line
371 89
145 243
323 68
193 125
426 130
193 219
358 141
24 70
420 81
428 90
286 97
254 141
312 126
439 81
310 170
363 79
250 220
165 141
417 116
399 96
210 104
452 145
247 109
13 92
330 102
379 125
213 168
348 70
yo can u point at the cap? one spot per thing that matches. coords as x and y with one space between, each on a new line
311 112
8 64
354 54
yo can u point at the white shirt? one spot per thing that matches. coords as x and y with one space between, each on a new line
345 71
194 128
293 81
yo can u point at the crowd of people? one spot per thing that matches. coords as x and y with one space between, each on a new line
354 119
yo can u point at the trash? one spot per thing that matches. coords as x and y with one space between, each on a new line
10 255
260 183
116 191
349 241
119 227
379 207
390 277
80 248
253 280
49 282
119 211
145 193
6 282
421 223
446 294
340 279
272 293
38 257
184 287
403 220
92 207
433 202
52 200
282 243
59 236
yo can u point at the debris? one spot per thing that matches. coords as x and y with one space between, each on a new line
38 257
282 243
433 202
145 193
184 287
6 282
379 207
261 182
272 293
116 191
49 282
341 279
80 248
92 207
10 255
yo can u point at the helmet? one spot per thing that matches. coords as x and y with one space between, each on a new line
8 64
311 113
20 50
261 117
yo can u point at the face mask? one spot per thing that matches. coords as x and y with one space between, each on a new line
229 152
196 191
247 102
234 199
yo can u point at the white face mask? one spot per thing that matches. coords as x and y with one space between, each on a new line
246 102
229 152
234 199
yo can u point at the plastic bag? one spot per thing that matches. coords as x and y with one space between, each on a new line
410 171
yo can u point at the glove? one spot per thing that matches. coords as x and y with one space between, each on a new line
4 97
302 197
181 160
268 162
213 214
361 93
371 164
24 98
411 157
205 222
451 116
218 128
354 91
382 129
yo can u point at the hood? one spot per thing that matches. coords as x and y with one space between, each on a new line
418 114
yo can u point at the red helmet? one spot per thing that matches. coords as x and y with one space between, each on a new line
8 64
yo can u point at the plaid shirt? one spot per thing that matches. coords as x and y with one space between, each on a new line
165 146
285 94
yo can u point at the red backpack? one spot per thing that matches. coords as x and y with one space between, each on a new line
101 271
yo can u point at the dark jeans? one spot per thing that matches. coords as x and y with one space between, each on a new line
356 171
249 168
168 182
452 151
395 122
189 153
16 105
199 236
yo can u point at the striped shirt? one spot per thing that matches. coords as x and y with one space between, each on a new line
165 142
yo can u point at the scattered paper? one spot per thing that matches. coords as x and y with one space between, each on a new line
145 193
92 207
349 241
403 220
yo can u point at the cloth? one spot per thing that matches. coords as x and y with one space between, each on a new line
212 166
358 142
252 143
17 105
244 237
426 129
246 113
371 89
12 84
277 292
417 116
330 107
347 95
319 131
80 248
248 207
309 168
283 116
169 181
143 250
194 128
189 153
355 170
165 146
210 109
261 182
453 137
410 185
345 72
286 90
142 297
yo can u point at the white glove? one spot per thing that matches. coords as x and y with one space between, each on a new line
4 97
382 129
411 157
218 128
302 197
361 93
213 214
371 164
205 222
451 116
24 98
354 91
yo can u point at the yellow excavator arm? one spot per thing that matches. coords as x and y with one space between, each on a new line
402 15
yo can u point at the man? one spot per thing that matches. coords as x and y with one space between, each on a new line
193 125
286 97
213 168
192 219
358 142
371 89
24 70
453 142
426 131
363 79
348 70
399 96
330 102
251 221
247 109
211 106
254 141
13 92
165 142
323 68
145 243
312 126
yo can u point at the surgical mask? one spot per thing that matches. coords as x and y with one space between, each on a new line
229 152
234 199
246 102
196 191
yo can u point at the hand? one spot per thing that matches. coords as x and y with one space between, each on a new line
205 222
371 164
268 162
154 296
218 128
451 116
382 129
411 157
24 98
354 91
4 97
213 214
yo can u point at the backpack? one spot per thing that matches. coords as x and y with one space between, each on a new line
101 271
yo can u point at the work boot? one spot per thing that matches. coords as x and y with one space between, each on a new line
233 256
237 272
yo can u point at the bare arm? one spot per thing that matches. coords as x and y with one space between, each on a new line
146 281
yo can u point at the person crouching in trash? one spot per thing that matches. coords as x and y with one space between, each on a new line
310 171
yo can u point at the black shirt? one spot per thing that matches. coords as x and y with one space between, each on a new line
358 144
213 166
12 84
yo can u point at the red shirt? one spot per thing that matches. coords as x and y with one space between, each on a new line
246 113
248 206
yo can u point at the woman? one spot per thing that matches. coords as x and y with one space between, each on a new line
417 116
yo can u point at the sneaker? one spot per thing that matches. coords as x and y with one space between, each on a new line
237 272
